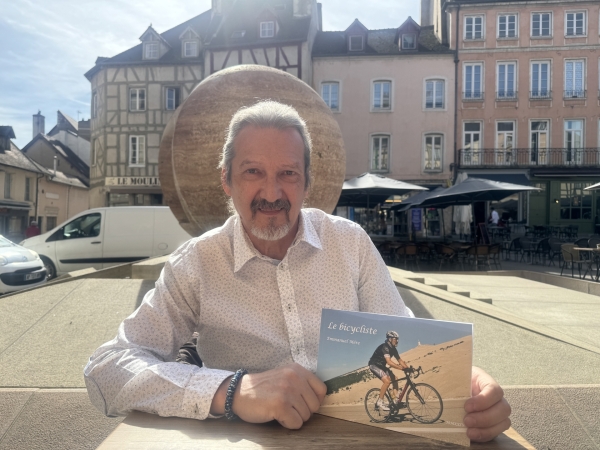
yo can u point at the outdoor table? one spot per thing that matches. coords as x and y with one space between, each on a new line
595 253
147 431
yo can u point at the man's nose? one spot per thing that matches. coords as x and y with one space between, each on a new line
271 189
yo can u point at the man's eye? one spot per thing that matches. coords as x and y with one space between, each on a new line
252 171
289 173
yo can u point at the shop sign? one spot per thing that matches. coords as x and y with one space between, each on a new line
132 181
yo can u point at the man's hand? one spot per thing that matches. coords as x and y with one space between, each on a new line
487 410
287 394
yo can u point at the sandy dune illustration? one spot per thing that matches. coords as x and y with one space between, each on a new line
446 367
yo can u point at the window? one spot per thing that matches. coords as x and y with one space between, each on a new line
267 29
541 24
538 153
330 94
506 81
137 151
573 142
474 27
94 105
505 135
434 94
171 98
356 43
380 153
472 81
151 50
507 26
7 184
409 41
95 150
471 143
433 152
574 79
27 189
575 24
137 99
190 49
382 92
82 227
575 202
540 79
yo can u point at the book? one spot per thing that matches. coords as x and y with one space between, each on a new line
430 394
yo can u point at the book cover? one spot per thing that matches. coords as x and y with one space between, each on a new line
431 392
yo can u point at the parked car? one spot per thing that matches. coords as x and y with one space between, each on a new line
20 268
105 237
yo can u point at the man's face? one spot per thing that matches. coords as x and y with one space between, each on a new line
394 341
267 181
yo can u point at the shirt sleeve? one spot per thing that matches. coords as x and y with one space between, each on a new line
377 292
136 370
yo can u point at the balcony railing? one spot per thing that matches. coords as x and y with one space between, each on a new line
529 157
506 95
574 93
473 96
540 94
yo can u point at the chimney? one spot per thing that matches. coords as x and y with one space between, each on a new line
39 125
320 12
83 129
426 13
302 8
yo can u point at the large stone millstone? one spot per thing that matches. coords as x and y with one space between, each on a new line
193 140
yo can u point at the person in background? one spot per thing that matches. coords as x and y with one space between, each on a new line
494 217
32 230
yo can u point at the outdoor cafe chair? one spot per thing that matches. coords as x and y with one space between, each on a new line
477 253
593 242
572 257
554 244
527 248
398 255
411 253
513 247
542 250
494 255
446 255
582 243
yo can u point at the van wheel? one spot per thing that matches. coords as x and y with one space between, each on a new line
50 269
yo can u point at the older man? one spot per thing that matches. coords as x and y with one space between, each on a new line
253 290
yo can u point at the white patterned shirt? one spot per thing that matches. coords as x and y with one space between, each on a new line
250 311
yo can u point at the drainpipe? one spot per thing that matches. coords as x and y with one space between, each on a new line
456 93
37 193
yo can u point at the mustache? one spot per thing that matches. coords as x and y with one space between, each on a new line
270 206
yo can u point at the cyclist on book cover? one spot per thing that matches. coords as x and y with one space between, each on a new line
379 362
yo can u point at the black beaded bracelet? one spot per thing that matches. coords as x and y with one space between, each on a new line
230 391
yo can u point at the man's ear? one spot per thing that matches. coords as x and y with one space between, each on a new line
226 187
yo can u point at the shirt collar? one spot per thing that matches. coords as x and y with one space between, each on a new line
244 250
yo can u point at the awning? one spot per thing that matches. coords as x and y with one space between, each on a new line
514 178
6 204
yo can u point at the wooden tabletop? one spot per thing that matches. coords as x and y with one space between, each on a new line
146 431
587 249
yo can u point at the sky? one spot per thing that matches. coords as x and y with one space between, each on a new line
47 46
349 348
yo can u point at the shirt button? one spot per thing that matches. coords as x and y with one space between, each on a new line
289 307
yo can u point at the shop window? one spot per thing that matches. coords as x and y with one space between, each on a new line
575 202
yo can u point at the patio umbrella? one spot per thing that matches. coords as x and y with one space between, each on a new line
415 200
473 190
593 187
369 189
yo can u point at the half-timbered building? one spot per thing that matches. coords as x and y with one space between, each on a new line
135 93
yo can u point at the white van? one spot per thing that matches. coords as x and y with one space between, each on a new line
105 237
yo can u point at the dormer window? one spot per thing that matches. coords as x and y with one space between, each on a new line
151 50
267 29
409 41
356 43
238 34
190 49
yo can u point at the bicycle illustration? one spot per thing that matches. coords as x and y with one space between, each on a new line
422 400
